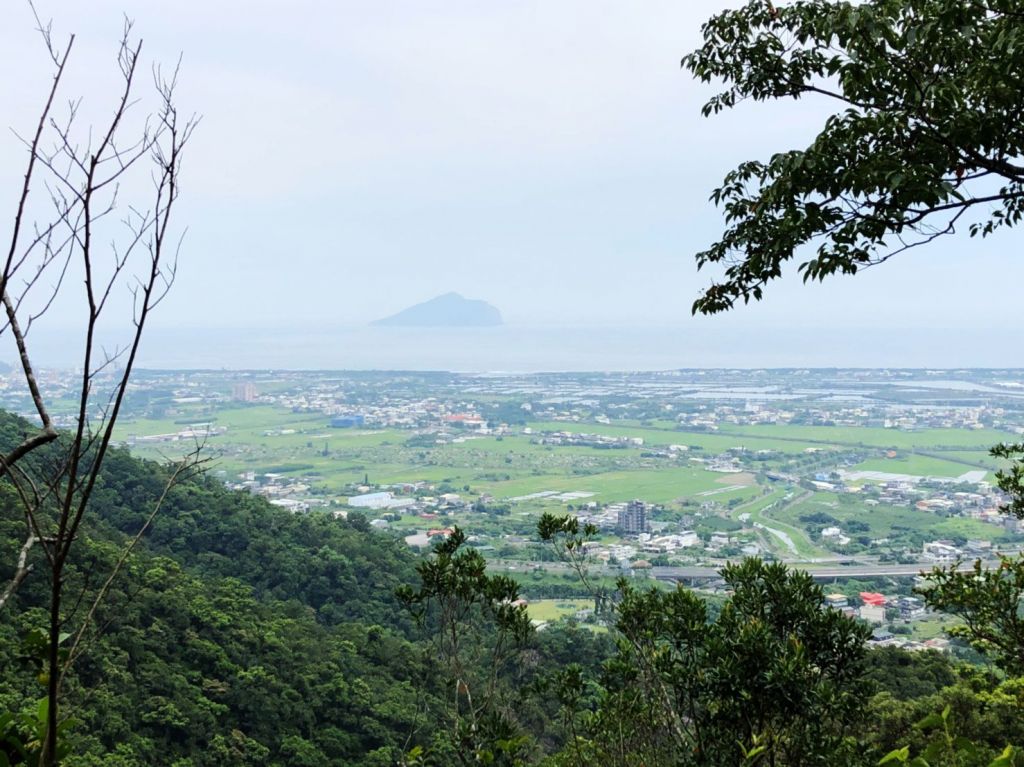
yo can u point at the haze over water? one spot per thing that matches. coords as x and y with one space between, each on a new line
523 348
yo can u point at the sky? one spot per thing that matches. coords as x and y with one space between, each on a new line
357 157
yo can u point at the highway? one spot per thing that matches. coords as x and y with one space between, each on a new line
819 573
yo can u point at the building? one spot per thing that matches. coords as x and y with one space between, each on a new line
872 613
719 541
663 544
940 552
872 598
243 392
910 607
292 505
633 518
372 500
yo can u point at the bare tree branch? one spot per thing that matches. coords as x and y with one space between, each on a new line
21 571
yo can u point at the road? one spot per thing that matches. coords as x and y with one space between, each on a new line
819 573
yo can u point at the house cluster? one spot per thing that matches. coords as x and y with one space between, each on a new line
877 415
345 407
407 497
945 552
291 493
923 494
983 503
666 544
877 608
752 413
881 637
586 440
724 463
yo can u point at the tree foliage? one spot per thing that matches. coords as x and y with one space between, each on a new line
989 603
929 124
773 676
478 625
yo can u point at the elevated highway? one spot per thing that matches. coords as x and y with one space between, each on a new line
818 572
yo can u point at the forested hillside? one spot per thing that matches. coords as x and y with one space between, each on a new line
238 634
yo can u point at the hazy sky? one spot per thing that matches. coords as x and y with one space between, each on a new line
549 157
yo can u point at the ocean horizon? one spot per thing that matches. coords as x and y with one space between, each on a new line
526 349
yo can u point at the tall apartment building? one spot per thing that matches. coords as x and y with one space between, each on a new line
633 518
243 392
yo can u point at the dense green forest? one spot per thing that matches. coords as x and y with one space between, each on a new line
241 634
238 635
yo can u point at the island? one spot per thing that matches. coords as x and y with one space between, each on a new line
448 310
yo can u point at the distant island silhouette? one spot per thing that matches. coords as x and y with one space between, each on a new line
448 310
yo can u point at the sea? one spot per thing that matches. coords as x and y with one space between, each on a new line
533 348
525 348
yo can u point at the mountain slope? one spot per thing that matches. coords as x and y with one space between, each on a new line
238 634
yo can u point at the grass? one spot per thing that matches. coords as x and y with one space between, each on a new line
652 485
758 504
932 626
977 457
889 521
916 465
711 442
554 609
877 437
760 513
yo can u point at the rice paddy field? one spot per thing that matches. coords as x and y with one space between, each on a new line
504 467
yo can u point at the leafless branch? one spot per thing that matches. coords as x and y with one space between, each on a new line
21 571
82 174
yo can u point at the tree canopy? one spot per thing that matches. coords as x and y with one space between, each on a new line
929 125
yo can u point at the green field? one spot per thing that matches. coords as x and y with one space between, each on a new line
756 505
917 465
976 457
332 461
888 521
548 610
655 485
775 517
876 437
507 467
710 442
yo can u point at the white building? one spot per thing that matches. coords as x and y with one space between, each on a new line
872 613
290 504
937 551
372 500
